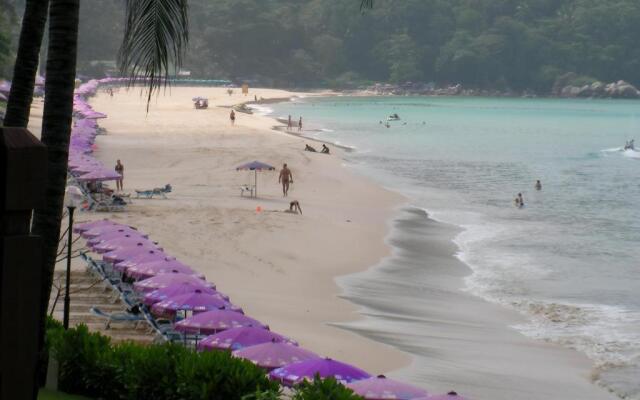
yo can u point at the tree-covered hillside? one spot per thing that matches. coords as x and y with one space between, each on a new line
517 44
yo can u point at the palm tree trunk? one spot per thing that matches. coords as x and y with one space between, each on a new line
26 66
56 130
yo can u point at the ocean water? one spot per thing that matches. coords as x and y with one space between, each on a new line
568 261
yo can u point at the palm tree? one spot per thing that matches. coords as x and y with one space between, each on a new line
26 65
155 40
56 131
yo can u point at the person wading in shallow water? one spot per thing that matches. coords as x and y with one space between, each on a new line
538 185
285 178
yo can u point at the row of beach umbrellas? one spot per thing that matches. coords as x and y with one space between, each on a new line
167 286
82 165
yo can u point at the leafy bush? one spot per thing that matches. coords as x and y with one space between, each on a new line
324 389
217 375
90 365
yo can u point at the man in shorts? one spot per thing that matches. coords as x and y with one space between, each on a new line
285 178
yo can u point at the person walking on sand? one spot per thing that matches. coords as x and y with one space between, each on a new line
300 125
232 117
289 123
285 178
120 170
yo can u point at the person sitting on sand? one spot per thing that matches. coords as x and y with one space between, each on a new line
294 208
538 185
286 177
325 149
309 148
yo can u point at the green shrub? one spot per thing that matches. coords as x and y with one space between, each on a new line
216 375
91 366
86 364
149 372
324 389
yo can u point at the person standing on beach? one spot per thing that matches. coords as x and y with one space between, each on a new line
289 123
300 125
232 117
120 170
285 178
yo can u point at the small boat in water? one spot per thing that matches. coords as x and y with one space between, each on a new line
630 145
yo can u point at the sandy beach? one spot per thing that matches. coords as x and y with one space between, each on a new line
279 267
282 268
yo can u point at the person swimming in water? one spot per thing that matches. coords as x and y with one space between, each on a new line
538 185
520 200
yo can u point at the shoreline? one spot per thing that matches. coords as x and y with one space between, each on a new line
578 371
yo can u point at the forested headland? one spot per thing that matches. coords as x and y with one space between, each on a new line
489 44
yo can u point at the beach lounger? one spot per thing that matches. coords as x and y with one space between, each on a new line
148 194
247 188
117 317
106 203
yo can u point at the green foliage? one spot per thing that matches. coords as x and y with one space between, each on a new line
90 365
518 44
324 389
7 29
45 394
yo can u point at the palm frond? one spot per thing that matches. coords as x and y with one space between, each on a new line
155 40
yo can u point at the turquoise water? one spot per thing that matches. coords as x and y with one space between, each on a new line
568 259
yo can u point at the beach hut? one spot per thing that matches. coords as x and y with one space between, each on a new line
255 166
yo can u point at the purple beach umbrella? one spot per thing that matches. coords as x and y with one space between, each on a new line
141 258
152 268
118 255
273 355
239 338
163 280
85 226
101 229
212 322
159 295
109 236
99 175
382 388
448 396
131 242
325 367
255 166
197 302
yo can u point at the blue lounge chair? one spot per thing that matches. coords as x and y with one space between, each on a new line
116 317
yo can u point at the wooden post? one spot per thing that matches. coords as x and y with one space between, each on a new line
22 183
